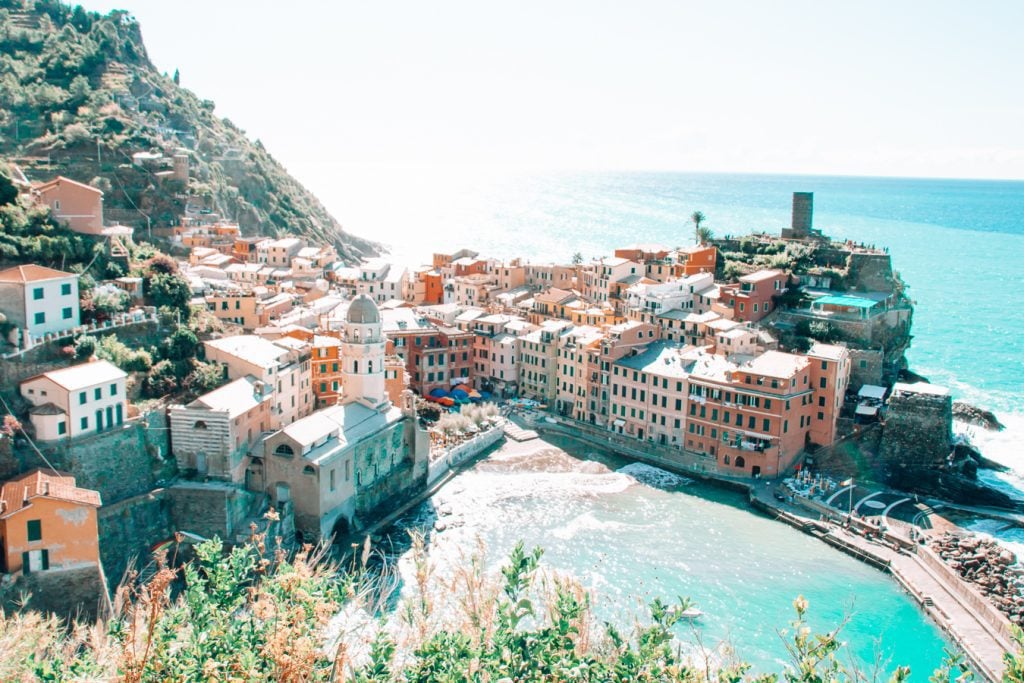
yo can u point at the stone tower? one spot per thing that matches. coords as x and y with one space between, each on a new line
362 354
803 216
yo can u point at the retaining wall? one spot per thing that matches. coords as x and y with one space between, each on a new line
463 452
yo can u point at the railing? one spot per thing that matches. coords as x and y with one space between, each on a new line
119 320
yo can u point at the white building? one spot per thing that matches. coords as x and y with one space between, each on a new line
83 399
651 300
39 300
285 370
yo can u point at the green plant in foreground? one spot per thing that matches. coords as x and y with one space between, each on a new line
249 614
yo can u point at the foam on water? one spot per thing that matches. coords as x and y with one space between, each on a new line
654 476
632 533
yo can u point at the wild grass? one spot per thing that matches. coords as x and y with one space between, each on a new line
254 613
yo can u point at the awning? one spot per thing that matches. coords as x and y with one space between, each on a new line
872 391
618 423
866 410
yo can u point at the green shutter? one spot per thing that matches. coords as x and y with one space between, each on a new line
46 559
24 563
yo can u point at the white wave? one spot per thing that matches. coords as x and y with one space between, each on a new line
1003 446
585 522
1009 536
653 476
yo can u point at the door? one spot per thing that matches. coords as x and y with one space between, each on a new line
99 420
201 463
283 493
120 413
110 416
35 561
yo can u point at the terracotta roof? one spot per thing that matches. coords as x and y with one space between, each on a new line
18 493
32 273
61 179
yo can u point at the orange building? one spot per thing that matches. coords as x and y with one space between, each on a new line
78 205
395 379
433 288
750 299
47 522
697 259
830 377
755 417
326 365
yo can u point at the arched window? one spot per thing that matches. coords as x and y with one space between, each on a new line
199 425
285 450
740 462
308 469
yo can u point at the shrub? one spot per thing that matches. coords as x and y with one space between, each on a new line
85 347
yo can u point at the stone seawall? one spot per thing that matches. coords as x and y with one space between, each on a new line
129 528
120 463
463 452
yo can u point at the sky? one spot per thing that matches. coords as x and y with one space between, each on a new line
923 89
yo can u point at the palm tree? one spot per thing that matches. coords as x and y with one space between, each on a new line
697 217
704 235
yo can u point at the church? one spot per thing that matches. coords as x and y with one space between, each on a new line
338 468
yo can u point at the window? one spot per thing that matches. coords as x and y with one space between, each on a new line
40 318
767 425
821 416
35 530
199 425
37 293
822 382
332 480
98 393
284 450
85 423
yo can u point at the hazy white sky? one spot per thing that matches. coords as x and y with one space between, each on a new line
862 88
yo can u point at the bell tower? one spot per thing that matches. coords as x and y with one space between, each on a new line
362 355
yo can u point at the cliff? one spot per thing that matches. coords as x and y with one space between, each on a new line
80 97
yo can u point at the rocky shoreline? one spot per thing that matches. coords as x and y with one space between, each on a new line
992 569
979 417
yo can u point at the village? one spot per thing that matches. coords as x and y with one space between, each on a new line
343 390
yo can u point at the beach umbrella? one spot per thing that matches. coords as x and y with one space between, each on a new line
438 392
458 393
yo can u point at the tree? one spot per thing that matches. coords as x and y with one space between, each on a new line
177 77
79 89
161 264
697 217
577 258
181 345
171 291
8 191
704 235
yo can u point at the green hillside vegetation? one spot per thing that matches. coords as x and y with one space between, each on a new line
79 96
253 614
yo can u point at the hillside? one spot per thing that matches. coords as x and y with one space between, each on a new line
79 97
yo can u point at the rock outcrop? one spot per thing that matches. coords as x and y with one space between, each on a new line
992 569
979 417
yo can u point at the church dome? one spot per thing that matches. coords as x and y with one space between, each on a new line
362 310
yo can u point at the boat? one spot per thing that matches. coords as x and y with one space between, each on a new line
691 613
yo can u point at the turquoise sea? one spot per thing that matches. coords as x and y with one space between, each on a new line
959 246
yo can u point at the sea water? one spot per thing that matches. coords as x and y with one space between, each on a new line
630 533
